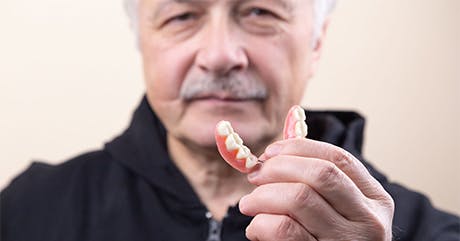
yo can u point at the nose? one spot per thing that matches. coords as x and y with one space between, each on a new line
221 52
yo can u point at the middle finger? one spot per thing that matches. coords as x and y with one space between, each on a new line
296 200
323 176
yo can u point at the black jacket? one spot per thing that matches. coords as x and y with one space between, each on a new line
130 190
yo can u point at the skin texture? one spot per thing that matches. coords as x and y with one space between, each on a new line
217 42
301 179
305 190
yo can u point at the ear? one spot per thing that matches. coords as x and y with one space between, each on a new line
318 46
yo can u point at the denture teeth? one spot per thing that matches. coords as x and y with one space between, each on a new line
224 128
299 114
251 161
243 152
233 142
301 129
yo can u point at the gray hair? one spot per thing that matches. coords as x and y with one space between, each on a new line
322 9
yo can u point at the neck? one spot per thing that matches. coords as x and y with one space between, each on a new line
216 183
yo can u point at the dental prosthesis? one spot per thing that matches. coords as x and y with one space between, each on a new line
235 153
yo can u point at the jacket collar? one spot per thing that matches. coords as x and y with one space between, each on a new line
142 148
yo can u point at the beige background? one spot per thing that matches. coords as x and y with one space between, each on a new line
70 77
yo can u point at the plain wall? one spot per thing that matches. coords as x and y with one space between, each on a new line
70 77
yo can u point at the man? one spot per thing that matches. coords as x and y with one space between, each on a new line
204 61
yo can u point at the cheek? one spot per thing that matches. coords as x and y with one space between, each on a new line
271 59
282 63
165 67
270 62
299 55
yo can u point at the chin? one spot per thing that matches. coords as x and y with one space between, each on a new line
199 134
256 137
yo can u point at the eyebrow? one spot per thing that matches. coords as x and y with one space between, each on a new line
163 4
285 4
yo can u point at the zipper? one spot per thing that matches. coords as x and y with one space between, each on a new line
215 228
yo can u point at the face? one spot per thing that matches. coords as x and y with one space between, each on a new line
245 61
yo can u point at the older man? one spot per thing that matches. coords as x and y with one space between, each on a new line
248 62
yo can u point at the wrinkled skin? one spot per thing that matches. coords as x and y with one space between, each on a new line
310 190
306 190
226 40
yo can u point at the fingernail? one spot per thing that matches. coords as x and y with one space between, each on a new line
273 150
253 174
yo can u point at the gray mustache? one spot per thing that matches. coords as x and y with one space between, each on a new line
236 87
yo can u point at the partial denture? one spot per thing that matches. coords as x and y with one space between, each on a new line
232 149
230 144
294 125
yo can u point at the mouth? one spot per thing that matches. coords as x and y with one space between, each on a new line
223 98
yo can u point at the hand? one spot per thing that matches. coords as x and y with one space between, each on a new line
310 190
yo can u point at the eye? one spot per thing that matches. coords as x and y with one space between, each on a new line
259 12
183 17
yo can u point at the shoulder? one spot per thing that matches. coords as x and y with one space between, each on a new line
46 197
42 178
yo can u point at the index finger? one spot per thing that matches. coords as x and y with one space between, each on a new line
345 161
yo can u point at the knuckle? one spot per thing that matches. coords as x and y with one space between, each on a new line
342 159
384 200
376 229
286 229
329 176
392 204
377 225
389 203
303 196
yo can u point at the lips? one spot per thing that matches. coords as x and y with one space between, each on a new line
221 96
